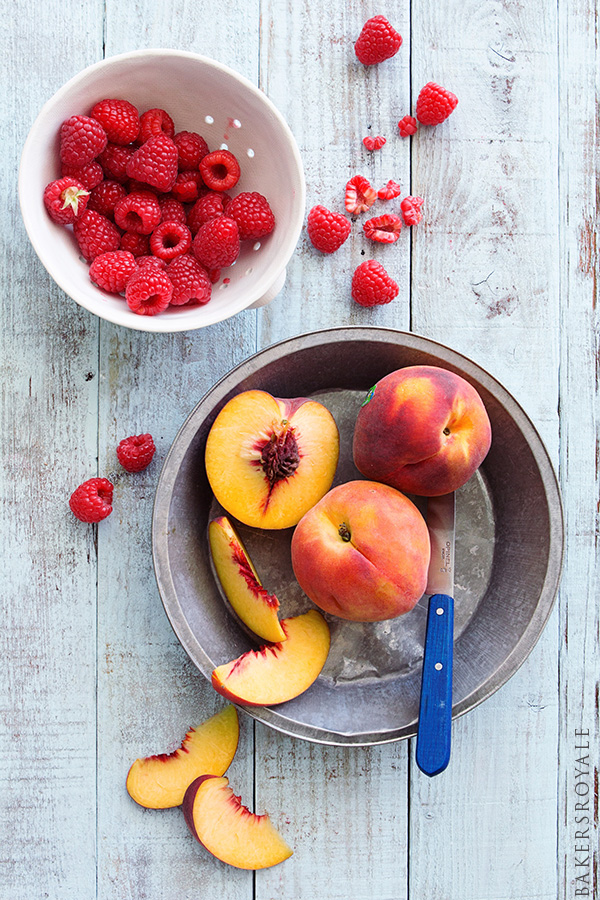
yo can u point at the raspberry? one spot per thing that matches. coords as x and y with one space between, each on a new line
411 210
217 243
371 284
213 275
374 143
150 260
95 234
377 41
155 162
191 148
190 281
327 230
434 104
253 215
170 239
89 176
360 196
209 206
132 184
187 186
220 170
148 291
407 126
136 452
155 121
92 500
390 191
81 140
111 271
119 118
139 212
385 229
105 196
138 244
172 210
65 199
113 160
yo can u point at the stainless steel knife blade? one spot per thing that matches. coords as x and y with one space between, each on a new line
435 707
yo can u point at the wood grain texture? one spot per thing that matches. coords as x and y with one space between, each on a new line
48 416
485 281
579 672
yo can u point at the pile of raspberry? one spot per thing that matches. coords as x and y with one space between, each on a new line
150 207
328 230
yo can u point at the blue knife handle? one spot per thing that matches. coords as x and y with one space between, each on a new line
435 708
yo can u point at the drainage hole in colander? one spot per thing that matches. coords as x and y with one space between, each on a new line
250 152
209 120
256 246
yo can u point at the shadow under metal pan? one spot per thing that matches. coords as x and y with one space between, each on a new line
508 559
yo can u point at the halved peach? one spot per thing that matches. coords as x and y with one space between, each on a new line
277 672
228 830
159 782
252 603
269 460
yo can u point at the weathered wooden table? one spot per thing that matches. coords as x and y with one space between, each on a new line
503 268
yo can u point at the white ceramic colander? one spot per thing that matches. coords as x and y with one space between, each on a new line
228 111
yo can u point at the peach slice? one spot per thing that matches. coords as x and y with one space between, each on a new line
252 603
277 672
269 460
159 782
228 830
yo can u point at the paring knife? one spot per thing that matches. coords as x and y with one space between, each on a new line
435 708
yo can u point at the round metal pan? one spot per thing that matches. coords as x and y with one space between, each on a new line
509 546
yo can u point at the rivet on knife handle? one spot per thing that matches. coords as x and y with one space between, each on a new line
435 712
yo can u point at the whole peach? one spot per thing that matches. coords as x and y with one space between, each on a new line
362 552
422 429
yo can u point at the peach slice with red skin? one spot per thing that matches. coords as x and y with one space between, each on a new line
160 782
228 830
269 460
240 582
277 672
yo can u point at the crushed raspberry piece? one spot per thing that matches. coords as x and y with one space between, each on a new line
187 186
89 176
172 210
65 199
170 239
434 104
190 281
105 196
327 230
155 162
191 148
385 229
253 215
411 210
92 500
390 191
95 234
138 211
360 196
113 160
377 41
371 284
119 118
374 143
148 291
137 244
155 121
111 271
208 206
82 139
217 243
136 452
220 170
407 126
